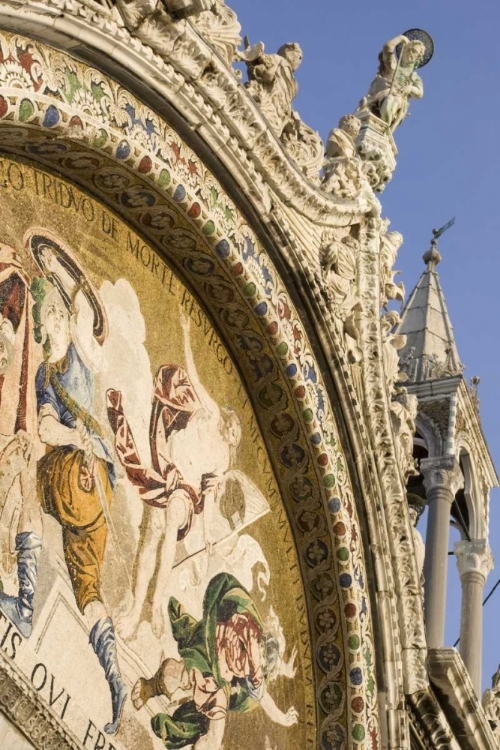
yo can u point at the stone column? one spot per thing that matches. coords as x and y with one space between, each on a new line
442 480
474 560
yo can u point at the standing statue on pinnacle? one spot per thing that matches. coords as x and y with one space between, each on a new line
397 81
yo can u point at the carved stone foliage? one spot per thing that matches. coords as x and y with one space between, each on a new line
444 472
149 21
460 423
357 287
439 412
491 705
272 84
474 557
432 368
159 23
221 27
460 709
377 149
184 8
21 704
379 377
203 87
382 508
305 147
430 722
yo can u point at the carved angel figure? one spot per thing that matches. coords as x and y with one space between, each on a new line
396 82
390 242
219 24
403 415
160 24
341 140
343 175
272 83
416 507
392 342
134 11
339 263
339 260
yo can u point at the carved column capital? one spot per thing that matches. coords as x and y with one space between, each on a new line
442 473
474 557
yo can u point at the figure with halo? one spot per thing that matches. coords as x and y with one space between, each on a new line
75 476
397 80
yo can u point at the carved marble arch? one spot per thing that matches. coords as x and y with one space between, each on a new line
71 120
431 436
229 130
474 504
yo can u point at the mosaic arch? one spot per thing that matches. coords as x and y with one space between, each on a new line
113 219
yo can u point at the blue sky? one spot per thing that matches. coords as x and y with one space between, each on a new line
447 166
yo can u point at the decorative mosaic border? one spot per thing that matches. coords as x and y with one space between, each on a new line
59 112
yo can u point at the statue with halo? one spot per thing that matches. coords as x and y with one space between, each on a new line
397 81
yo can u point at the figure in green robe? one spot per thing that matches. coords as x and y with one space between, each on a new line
227 661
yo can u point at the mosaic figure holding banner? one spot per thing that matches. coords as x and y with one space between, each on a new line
193 443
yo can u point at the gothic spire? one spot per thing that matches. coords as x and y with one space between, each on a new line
430 351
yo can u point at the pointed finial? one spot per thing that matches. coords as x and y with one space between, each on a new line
432 256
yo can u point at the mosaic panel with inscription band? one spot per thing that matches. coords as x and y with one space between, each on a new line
145 555
75 121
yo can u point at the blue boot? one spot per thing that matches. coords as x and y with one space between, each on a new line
103 640
19 609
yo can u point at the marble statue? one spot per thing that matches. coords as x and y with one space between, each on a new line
273 86
408 362
160 24
392 343
219 24
272 83
339 261
416 507
390 242
343 174
342 139
404 408
396 82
